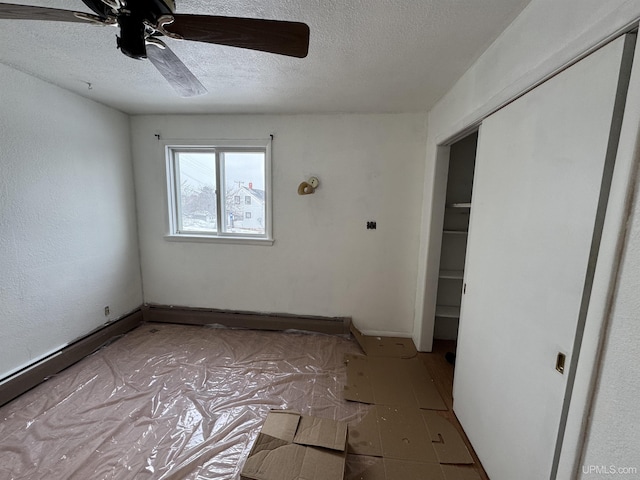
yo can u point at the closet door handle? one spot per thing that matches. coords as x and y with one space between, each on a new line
560 359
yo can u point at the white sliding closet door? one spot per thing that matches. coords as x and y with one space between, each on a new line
536 197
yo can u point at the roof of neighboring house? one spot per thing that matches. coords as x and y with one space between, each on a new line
258 193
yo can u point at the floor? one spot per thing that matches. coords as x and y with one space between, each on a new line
169 402
442 373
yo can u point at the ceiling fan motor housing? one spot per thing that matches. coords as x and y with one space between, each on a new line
131 39
131 19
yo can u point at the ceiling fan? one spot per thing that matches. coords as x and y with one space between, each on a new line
143 22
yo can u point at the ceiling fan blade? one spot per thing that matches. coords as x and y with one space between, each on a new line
173 70
26 12
284 38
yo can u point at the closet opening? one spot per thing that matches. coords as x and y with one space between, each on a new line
455 227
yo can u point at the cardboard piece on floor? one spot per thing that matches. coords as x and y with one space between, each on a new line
389 469
282 424
292 462
321 432
407 434
364 437
281 451
391 381
412 470
454 472
398 347
445 439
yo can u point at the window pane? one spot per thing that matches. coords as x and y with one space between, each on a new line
244 176
196 178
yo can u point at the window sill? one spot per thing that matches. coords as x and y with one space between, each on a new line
219 239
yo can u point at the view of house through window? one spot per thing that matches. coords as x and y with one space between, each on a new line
218 191
244 176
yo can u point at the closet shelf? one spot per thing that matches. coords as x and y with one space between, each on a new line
445 311
452 274
463 205
455 232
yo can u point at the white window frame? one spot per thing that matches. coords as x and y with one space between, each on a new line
172 190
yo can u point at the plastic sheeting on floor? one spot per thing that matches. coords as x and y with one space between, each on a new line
171 402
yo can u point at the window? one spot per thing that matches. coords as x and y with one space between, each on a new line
206 184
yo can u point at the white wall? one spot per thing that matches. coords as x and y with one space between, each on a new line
68 242
546 36
324 261
612 435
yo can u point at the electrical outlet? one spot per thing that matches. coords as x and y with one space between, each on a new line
106 311
371 225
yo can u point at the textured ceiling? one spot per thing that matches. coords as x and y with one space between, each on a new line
364 56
